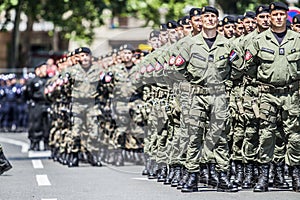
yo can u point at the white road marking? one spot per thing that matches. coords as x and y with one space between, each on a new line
37 164
142 179
39 154
43 180
24 145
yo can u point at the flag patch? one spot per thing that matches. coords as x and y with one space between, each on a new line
248 55
232 56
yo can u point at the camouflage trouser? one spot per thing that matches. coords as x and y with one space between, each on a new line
208 113
85 127
251 142
238 123
286 105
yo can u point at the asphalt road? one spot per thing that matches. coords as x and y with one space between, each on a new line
35 177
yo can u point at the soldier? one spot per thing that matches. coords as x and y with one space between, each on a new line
39 124
296 23
4 163
278 92
220 27
249 22
239 27
203 61
84 136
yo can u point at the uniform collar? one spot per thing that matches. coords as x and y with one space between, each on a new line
220 41
270 36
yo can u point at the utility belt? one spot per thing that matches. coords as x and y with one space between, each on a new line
201 90
267 88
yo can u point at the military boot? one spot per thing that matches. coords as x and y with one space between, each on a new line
170 176
153 170
4 163
73 159
296 178
145 172
248 179
263 180
118 158
177 176
239 173
184 178
279 180
204 174
162 173
213 176
93 159
191 184
224 184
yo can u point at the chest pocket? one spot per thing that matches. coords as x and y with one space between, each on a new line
197 65
294 61
267 55
222 65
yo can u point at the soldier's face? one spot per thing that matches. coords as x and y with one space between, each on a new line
263 20
249 24
127 55
172 34
239 29
163 36
187 29
209 21
278 18
220 30
85 59
229 30
296 27
196 23
154 42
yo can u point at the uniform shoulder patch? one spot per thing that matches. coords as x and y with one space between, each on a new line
172 60
108 78
143 69
150 68
179 60
248 55
158 66
232 56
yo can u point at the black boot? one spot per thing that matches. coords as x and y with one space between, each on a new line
248 180
204 174
239 173
224 184
279 180
145 172
4 163
296 178
263 180
34 146
213 176
177 176
118 158
162 173
184 178
73 159
170 176
153 170
93 159
191 184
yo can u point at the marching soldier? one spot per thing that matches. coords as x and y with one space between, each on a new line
278 92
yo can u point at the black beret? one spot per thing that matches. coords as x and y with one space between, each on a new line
228 20
39 65
163 27
249 14
296 19
221 23
278 6
195 12
262 9
185 20
153 34
179 22
210 9
128 47
239 19
82 50
172 24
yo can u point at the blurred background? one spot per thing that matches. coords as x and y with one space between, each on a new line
32 31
